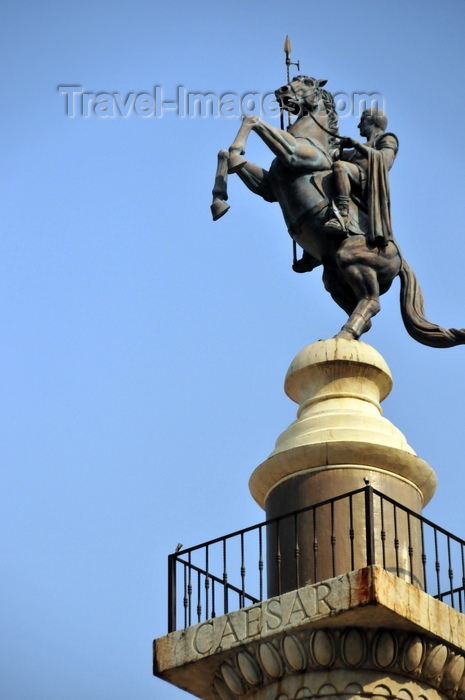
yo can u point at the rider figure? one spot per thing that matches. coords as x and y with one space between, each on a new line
363 173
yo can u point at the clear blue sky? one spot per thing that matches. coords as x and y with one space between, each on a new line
143 348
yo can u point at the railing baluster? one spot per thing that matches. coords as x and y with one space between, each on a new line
410 548
278 556
383 531
171 592
207 581
351 533
396 539
225 578
333 541
423 556
315 548
463 575
450 572
185 600
213 599
260 561
296 551
437 564
242 597
369 525
462 558
189 592
199 602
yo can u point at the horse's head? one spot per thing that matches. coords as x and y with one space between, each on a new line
301 95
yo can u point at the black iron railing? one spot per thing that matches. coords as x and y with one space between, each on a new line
330 538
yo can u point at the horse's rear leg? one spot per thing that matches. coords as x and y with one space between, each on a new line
340 292
360 319
364 283
220 192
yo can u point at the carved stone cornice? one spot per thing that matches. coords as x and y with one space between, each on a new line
340 662
367 630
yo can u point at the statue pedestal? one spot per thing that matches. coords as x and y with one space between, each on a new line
362 631
339 442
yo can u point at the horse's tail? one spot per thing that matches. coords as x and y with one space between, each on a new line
413 315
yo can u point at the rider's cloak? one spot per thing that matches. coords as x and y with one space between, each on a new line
380 160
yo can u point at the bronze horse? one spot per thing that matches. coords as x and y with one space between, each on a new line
355 272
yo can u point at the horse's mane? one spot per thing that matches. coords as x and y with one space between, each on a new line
333 120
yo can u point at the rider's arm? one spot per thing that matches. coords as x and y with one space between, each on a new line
361 148
349 142
388 145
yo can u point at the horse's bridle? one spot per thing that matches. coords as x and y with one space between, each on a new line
302 97
307 94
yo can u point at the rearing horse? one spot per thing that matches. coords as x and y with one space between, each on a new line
355 272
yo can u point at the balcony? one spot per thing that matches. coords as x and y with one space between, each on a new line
325 540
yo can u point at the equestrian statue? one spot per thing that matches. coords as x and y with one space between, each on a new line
334 196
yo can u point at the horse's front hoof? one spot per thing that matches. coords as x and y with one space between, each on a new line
219 209
235 163
347 334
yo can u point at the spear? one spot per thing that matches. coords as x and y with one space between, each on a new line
289 63
288 51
